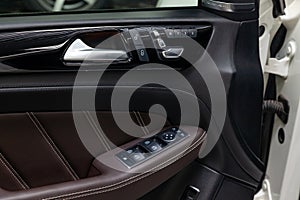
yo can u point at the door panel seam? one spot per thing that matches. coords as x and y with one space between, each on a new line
52 145
141 123
13 172
97 131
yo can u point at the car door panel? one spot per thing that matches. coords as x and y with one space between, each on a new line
50 171
36 90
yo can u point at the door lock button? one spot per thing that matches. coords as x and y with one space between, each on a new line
136 38
142 54
139 45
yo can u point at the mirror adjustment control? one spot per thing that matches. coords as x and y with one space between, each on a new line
169 136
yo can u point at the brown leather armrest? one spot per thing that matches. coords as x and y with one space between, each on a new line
120 182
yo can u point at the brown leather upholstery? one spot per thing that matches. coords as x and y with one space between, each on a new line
44 148
10 179
42 157
30 153
61 129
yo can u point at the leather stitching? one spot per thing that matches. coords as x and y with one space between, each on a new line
136 178
52 145
143 122
97 131
13 172
130 180
140 122
97 124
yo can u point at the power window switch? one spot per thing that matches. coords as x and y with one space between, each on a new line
136 153
154 147
137 157
153 144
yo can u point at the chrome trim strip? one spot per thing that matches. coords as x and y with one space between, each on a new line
229 7
35 50
180 51
78 51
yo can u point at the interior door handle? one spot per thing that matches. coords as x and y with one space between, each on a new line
78 51
173 53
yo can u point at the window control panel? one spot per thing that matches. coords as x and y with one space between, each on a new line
151 147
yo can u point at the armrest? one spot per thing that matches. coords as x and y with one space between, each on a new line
117 181
118 178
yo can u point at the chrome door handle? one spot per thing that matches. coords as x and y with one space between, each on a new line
173 52
78 51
